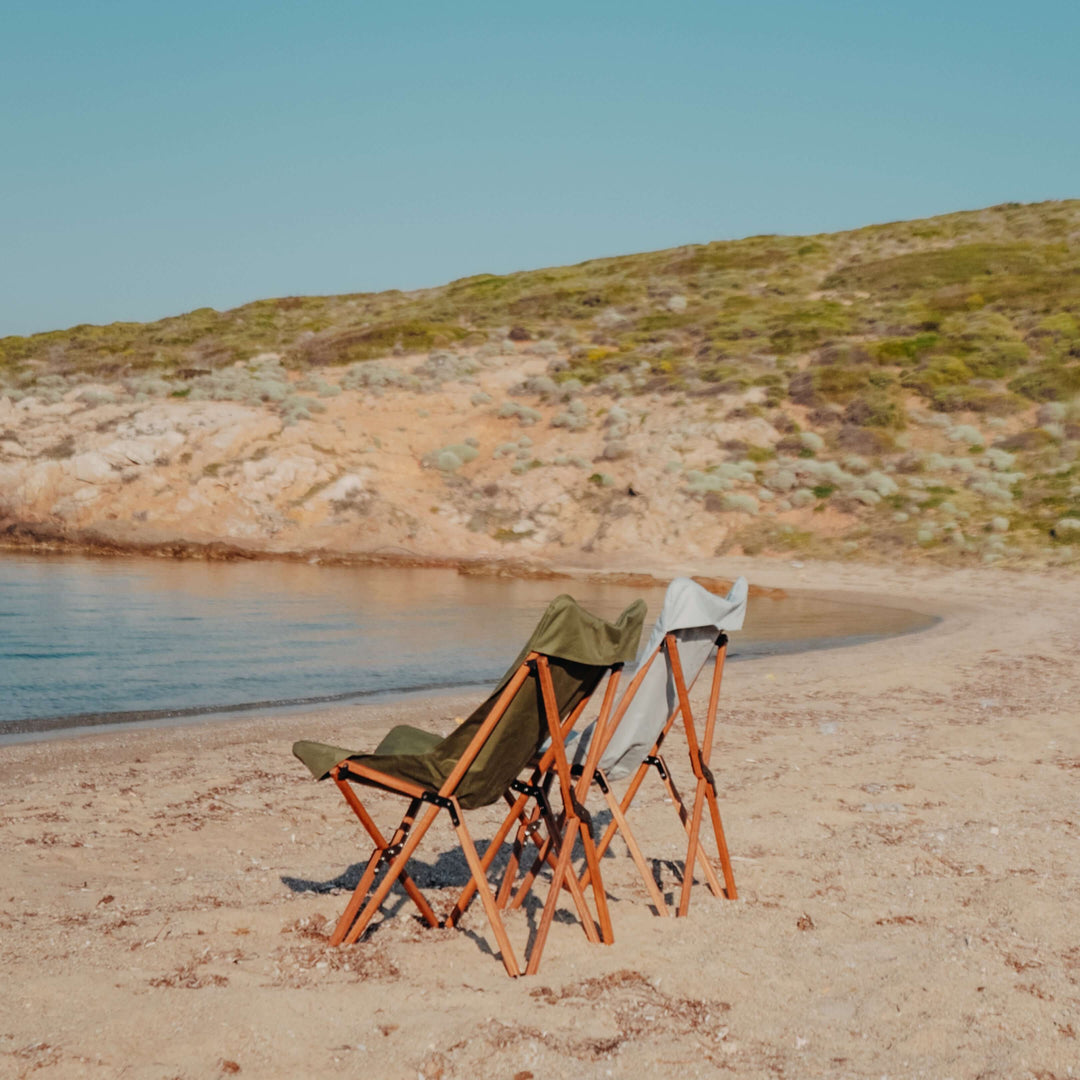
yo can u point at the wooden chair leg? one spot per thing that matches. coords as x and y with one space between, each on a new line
607 933
566 847
619 822
692 848
348 916
486 898
684 817
497 841
367 878
506 886
546 853
381 845
398 864
721 845
543 855
624 805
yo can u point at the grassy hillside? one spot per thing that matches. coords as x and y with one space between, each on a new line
942 354
967 310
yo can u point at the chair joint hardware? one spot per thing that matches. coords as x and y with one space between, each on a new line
600 780
444 804
658 763
532 790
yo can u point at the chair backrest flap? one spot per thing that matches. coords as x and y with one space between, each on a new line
696 617
580 647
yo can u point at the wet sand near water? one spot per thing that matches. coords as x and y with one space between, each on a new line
903 819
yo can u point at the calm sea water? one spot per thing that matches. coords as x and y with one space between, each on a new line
98 640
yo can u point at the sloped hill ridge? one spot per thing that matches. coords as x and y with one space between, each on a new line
901 391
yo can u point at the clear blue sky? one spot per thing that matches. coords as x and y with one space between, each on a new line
156 157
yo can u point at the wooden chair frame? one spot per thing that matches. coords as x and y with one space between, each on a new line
704 790
529 823
704 793
396 852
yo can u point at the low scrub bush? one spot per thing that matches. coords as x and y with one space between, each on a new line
978 399
740 504
318 385
705 483
965 433
347 346
880 483
294 408
1048 382
570 420
524 415
542 385
450 458
782 480
444 366
376 375
875 410
863 440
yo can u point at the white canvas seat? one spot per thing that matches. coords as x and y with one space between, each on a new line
692 627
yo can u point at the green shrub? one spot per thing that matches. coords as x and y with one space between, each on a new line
905 351
876 410
1048 382
760 453
975 399
940 371
840 384
997 360
346 346
961 264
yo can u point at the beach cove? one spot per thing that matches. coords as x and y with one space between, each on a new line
902 820
112 640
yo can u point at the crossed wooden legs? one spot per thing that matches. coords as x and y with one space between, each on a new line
704 792
397 853
562 834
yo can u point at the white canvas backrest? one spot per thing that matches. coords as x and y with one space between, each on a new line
696 617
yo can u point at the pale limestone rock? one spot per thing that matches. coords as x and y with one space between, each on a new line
123 452
41 479
342 488
91 468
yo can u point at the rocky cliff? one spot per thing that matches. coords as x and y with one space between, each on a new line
482 454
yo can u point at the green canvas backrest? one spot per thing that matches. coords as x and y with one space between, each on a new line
580 647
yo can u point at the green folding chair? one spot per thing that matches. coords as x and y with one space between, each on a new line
540 697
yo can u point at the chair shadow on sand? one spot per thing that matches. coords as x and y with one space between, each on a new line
450 870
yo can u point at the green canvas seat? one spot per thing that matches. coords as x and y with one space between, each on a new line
540 697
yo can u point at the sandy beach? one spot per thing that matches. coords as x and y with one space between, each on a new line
903 816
